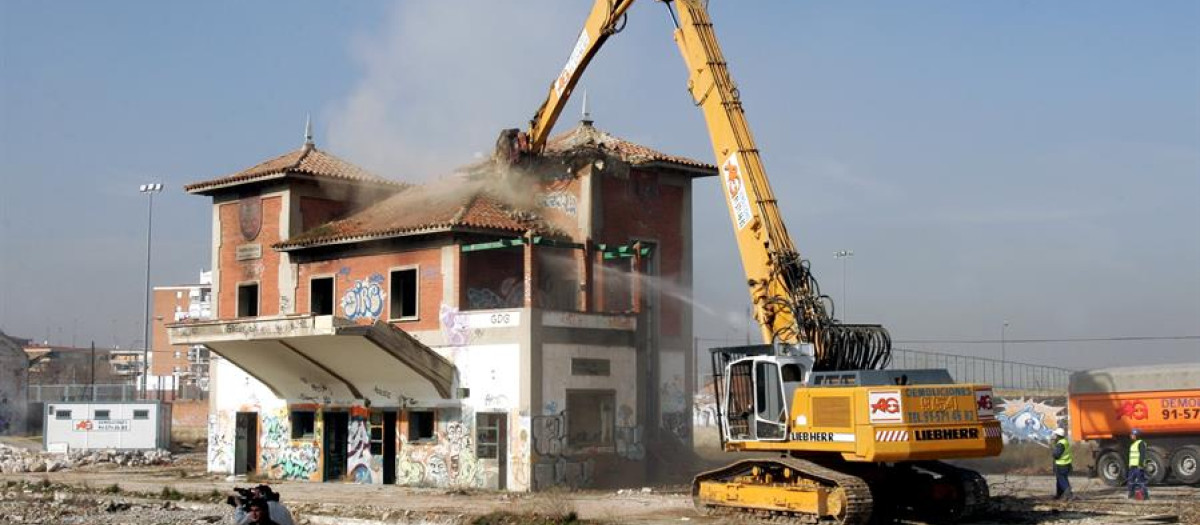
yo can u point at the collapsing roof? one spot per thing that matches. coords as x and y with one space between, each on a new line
586 136
453 206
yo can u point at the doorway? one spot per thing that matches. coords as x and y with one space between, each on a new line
245 443
491 442
336 435
383 443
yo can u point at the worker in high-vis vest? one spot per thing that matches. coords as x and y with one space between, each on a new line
1137 466
1062 465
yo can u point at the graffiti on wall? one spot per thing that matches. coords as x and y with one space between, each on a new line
629 443
220 443
360 465
364 299
449 461
561 200
552 466
675 418
518 453
510 294
1030 420
456 326
704 410
6 415
280 457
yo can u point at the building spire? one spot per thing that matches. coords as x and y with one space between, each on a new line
308 137
587 117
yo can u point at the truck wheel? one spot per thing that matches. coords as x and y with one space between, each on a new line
1111 468
1185 464
1156 465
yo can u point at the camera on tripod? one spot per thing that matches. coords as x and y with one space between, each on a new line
241 499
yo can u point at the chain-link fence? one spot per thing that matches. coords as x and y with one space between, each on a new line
61 393
999 374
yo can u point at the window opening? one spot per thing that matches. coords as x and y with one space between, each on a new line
304 424
771 411
420 426
376 432
404 294
101 415
62 414
141 414
591 418
320 297
247 299
487 436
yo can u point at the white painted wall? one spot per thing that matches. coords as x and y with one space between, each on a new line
234 390
557 378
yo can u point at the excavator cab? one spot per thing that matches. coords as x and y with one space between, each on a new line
755 385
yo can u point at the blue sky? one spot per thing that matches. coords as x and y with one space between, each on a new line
1036 162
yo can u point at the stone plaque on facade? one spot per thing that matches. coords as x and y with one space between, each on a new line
246 252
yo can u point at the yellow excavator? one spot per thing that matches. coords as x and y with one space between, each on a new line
839 437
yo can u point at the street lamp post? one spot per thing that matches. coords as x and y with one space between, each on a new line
843 255
1003 353
149 190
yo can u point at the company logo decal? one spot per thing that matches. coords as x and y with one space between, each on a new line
938 434
885 406
736 186
839 437
1133 410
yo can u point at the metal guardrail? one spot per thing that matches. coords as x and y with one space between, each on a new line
999 374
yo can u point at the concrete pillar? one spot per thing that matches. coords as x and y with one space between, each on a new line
531 273
636 284
583 259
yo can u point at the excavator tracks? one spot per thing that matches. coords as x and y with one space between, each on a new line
784 490
798 491
968 490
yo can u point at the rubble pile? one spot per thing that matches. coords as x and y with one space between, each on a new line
45 503
17 460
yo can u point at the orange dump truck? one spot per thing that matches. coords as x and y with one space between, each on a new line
1162 402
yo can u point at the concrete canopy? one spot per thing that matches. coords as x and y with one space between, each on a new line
326 359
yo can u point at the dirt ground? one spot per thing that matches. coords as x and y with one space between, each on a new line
184 494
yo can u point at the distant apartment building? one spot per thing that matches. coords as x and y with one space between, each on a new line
177 367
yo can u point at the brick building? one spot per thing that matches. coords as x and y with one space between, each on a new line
506 328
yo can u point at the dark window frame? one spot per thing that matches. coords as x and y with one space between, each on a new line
577 418
102 414
62 415
330 308
417 431
303 423
141 414
487 434
243 310
397 292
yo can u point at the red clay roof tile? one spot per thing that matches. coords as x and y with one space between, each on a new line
307 160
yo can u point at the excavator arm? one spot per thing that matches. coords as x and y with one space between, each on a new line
788 306
605 20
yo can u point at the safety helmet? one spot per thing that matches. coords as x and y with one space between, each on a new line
1135 431
1060 432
